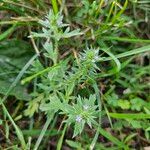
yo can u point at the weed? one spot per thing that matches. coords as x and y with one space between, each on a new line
87 84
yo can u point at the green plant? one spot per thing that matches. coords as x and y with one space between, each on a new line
84 111
83 71
59 89
86 86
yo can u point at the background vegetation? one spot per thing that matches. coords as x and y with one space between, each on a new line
74 74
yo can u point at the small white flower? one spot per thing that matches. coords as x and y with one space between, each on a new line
46 21
78 118
85 107
84 57
96 58
59 21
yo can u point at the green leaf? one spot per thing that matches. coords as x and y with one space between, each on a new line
70 88
124 104
33 105
68 34
137 103
78 127
148 129
54 104
112 99
136 124
48 46
74 144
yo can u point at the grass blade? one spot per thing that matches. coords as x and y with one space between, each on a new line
128 53
113 57
59 145
43 132
112 138
129 116
7 32
117 16
125 39
55 6
19 76
94 140
18 131
28 79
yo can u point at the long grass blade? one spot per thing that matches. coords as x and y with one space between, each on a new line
125 39
17 129
129 116
128 53
37 144
60 142
28 79
7 32
21 73
55 6
112 138
113 57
